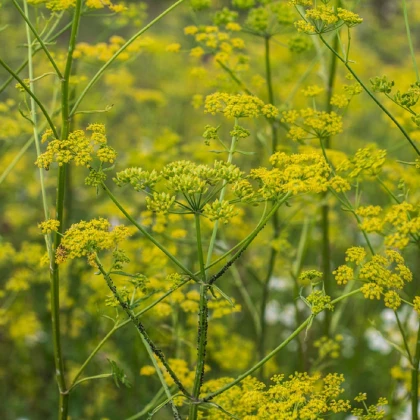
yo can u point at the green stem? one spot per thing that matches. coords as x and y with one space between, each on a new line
232 150
382 107
202 325
261 362
295 333
325 209
96 77
270 89
90 378
161 378
410 41
35 128
140 327
25 16
54 271
415 380
149 236
248 240
33 96
149 406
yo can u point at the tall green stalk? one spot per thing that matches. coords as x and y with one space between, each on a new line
410 41
415 380
325 209
202 324
54 271
35 123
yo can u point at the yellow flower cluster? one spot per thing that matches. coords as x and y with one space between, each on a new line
188 181
57 5
219 210
86 238
212 40
367 161
309 123
50 225
78 148
325 18
238 106
400 224
296 173
318 301
300 396
382 275
103 51
329 347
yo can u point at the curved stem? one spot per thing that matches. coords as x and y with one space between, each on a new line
96 77
140 327
400 127
24 14
150 237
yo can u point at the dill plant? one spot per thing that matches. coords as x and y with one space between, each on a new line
180 228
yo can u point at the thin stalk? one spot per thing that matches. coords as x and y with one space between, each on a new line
29 25
161 378
149 406
149 236
410 41
401 328
140 327
382 107
90 378
32 95
240 378
248 240
34 125
305 324
100 72
270 89
120 325
35 50
202 324
415 380
232 149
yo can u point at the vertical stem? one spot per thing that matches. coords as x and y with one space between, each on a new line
275 220
221 197
35 125
271 99
54 271
410 41
325 209
415 380
202 324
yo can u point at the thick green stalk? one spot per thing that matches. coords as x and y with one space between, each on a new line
325 209
101 71
54 271
271 99
275 219
382 107
202 324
